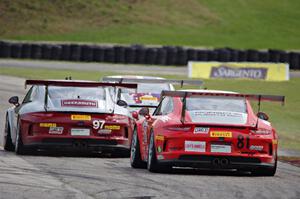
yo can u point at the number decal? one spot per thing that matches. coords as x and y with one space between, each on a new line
98 124
241 144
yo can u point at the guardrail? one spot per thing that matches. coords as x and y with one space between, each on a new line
138 54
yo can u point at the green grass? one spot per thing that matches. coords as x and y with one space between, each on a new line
284 118
218 23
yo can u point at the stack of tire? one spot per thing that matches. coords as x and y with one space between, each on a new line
138 54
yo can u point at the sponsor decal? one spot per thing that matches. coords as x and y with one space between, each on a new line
160 157
159 149
201 130
104 131
220 148
80 132
159 138
79 103
218 114
195 146
165 118
56 130
241 70
47 124
112 127
81 117
256 147
225 134
224 71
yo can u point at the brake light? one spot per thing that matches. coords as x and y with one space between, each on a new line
262 132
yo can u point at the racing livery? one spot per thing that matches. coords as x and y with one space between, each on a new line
206 129
64 114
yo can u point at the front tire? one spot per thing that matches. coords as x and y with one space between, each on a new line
135 152
8 145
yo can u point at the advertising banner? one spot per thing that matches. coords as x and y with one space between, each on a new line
239 70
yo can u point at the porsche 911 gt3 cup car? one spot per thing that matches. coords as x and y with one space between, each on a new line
148 90
75 115
206 129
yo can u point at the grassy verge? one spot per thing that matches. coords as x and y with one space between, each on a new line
218 23
285 119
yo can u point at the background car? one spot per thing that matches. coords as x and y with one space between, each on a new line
68 115
206 129
148 90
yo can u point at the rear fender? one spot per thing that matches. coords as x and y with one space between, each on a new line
10 117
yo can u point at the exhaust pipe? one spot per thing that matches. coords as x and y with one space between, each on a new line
224 162
216 162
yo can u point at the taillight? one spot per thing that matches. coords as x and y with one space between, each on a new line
262 132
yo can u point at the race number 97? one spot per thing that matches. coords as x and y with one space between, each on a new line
98 124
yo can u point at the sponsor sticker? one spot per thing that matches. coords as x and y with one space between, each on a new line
148 98
220 148
79 103
104 131
112 127
47 124
225 134
275 141
81 117
159 138
194 146
256 148
159 149
56 130
81 132
160 157
201 130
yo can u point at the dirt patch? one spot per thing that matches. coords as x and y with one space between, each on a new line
291 160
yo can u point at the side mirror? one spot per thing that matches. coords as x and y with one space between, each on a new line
135 115
14 100
122 103
144 111
262 116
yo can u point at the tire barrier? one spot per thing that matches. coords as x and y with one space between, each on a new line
139 54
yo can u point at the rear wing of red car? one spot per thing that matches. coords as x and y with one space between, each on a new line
72 83
185 94
153 81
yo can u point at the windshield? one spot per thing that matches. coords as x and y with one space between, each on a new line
217 110
216 104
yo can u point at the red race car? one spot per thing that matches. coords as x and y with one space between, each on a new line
206 129
68 115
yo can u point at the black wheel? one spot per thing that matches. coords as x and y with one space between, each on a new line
135 152
265 171
152 164
8 145
19 147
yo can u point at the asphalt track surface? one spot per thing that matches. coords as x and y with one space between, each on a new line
46 175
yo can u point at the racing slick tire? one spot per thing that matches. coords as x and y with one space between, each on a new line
265 171
152 164
135 153
19 146
8 145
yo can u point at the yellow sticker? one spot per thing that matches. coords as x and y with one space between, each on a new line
275 141
224 134
112 127
150 98
47 124
160 138
81 117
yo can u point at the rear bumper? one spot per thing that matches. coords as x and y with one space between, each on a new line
74 144
217 162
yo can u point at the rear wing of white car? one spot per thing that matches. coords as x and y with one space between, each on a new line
153 81
72 83
185 94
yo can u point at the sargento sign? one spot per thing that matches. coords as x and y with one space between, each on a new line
239 70
234 72
79 103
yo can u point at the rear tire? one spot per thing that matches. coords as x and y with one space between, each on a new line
152 164
19 147
135 152
8 145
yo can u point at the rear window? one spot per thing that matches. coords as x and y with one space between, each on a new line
57 92
148 88
216 104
